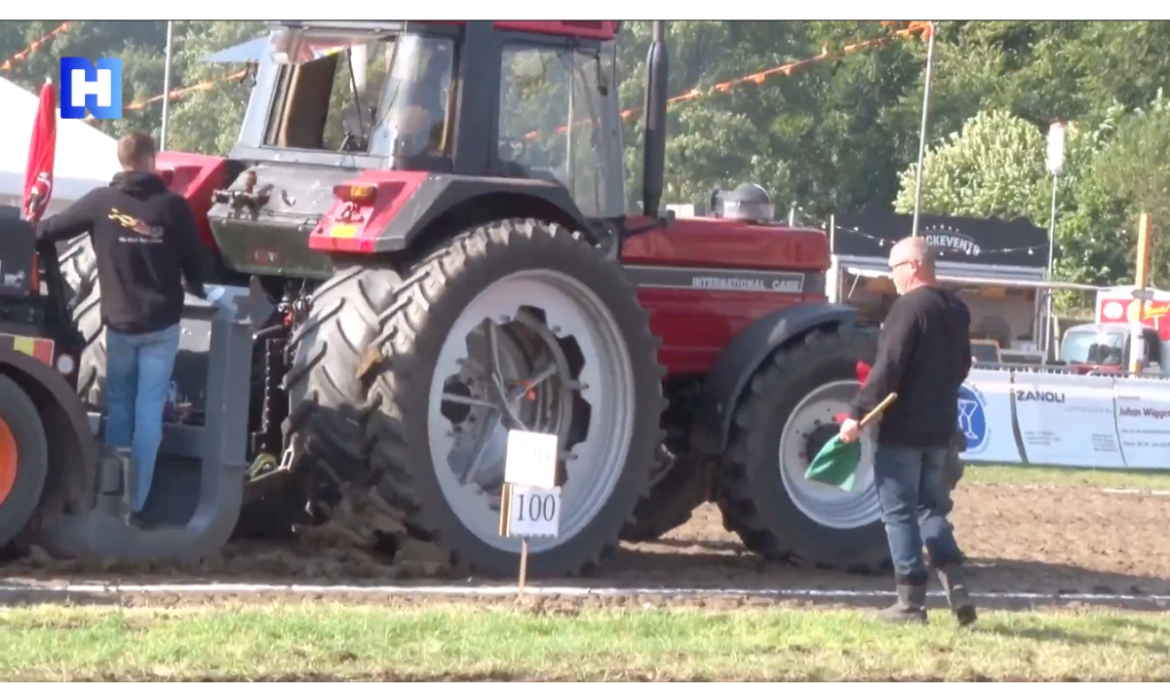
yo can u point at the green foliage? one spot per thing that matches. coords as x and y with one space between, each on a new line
993 167
207 121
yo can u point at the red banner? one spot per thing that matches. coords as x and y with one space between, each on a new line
42 150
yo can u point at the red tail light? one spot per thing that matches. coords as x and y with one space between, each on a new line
358 194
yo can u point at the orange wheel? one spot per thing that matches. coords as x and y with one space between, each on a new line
8 460
24 459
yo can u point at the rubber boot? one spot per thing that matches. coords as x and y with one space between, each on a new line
954 582
910 607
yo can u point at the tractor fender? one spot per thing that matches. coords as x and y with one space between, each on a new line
743 356
73 449
414 207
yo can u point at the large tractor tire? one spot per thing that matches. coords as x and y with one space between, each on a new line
787 413
673 499
413 382
24 459
91 367
786 416
78 266
84 294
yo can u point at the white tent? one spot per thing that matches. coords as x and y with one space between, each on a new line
86 157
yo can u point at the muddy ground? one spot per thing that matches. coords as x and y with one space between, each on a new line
1054 542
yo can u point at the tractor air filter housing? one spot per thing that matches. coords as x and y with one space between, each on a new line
748 202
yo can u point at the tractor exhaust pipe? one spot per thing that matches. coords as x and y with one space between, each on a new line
654 109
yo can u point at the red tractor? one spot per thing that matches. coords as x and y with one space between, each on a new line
433 218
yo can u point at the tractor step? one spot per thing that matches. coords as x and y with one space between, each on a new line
198 484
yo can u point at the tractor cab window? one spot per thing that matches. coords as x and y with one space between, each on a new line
558 121
361 95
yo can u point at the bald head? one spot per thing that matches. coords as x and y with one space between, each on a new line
912 249
911 264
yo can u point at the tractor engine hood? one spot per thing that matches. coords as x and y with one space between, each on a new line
262 221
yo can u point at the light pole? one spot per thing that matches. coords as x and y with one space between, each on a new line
162 136
922 132
1056 167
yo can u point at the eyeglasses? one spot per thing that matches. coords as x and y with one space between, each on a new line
894 267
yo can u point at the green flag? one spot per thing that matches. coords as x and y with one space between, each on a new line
836 463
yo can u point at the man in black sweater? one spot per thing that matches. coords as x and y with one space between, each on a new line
146 241
924 354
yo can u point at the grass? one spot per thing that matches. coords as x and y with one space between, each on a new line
333 642
1065 477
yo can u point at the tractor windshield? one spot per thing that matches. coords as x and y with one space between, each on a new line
559 121
382 96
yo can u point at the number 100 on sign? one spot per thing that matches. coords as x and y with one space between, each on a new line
534 512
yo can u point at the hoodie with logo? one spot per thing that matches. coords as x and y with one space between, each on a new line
146 242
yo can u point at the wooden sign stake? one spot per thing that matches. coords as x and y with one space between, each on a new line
523 564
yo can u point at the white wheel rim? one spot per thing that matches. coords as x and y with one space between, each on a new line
606 383
824 504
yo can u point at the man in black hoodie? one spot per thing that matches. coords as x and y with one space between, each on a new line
924 355
146 242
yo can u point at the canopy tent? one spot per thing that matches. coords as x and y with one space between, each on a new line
86 157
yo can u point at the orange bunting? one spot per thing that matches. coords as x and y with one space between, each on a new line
759 77
8 64
179 92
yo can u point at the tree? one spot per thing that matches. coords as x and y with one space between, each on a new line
993 167
1133 172
208 121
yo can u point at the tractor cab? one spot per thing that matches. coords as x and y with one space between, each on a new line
349 120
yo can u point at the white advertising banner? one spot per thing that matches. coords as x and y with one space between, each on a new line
1067 420
1143 422
985 417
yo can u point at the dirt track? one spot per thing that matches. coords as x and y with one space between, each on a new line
1045 541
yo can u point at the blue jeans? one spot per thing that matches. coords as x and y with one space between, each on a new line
912 495
138 380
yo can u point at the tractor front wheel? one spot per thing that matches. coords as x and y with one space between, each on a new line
786 416
24 459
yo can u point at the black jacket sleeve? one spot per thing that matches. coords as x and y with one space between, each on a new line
895 347
76 219
192 252
968 360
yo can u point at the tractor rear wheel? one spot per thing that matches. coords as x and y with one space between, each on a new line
91 367
326 397
84 292
24 459
78 267
514 323
786 416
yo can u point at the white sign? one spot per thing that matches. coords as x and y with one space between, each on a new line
534 512
531 459
1143 422
1056 148
985 417
1067 420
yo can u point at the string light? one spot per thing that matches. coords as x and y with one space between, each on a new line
882 242
8 64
